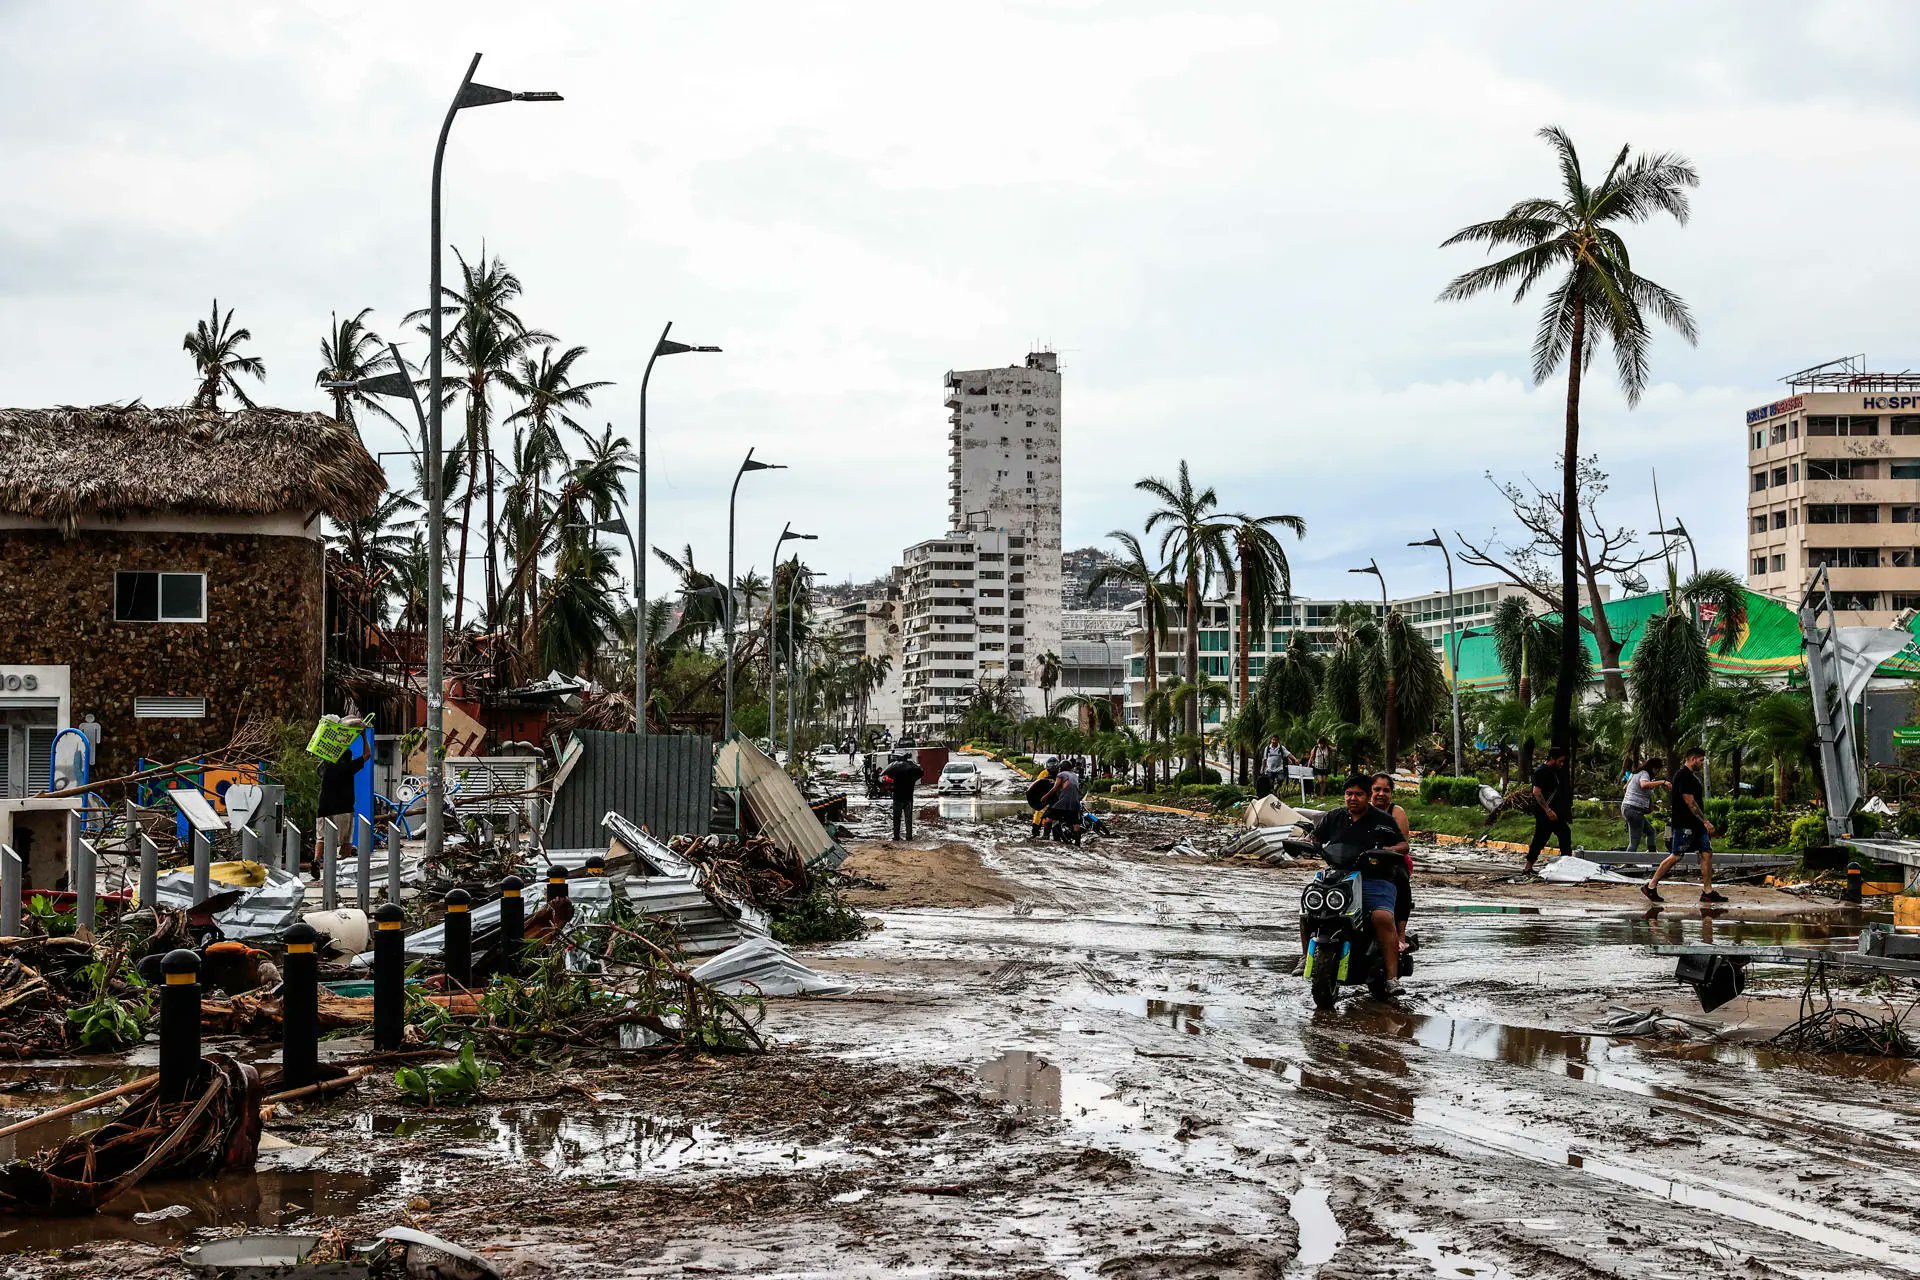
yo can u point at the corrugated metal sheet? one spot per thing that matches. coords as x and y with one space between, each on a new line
773 799
663 782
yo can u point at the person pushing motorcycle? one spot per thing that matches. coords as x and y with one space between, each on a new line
1359 823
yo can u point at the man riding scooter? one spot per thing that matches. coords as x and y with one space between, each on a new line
1361 825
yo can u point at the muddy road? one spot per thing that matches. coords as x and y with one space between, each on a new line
1101 1067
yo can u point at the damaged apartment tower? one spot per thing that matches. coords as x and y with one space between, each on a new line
982 603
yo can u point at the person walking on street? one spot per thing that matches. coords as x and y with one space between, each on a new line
1636 804
1320 760
903 775
1553 804
1273 768
1037 792
1692 833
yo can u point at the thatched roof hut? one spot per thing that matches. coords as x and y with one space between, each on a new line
120 460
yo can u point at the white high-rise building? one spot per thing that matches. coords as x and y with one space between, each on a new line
983 602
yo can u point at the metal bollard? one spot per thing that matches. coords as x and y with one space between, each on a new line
513 831
486 834
458 932
556 882
249 844
12 880
596 864
290 850
363 863
393 862
202 866
149 871
329 864
300 1009
179 1026
513 924
1853 892
74 832
389 976
86 901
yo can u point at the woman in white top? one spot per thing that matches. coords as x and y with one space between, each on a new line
1636 804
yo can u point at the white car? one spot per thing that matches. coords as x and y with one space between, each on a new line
960 776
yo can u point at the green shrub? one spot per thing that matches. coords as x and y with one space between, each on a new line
1808 830
1908 823
1865 824
1719 809
1753 804
1441 789
1758 829
1594 809
1099 786
1202 774
1123 789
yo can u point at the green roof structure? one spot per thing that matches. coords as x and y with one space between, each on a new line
1771 645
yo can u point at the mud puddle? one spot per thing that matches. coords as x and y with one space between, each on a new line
1398 1098
1030 1080
266 1199
597 1144
1320 1234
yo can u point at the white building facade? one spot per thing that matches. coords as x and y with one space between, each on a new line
984 602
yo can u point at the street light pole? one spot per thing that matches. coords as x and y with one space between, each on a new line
726 593
1453 642
469 95
1391 717
637 533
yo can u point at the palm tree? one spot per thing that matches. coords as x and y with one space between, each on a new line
870 674
348 353
1672 664
1132 570
702 606
1047 675
580 613
1717 716
1265 576
485 339
1408 680
1782 726
378 546
214 345
1289 683
1097 706
1599 298
1194 540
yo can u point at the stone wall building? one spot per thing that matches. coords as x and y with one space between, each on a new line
162 577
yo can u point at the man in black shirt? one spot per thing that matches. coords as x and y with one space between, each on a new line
1691 830
1553 802
1359 823
903 775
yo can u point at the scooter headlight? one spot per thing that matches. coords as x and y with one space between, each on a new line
1336 899
1313 900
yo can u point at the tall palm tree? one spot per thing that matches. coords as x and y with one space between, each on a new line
1265 576
351 351
214 345
1194 540
1409 683
1599 298
702 604
551 396
1132 570
1289 683
1097 706
485 339
580 615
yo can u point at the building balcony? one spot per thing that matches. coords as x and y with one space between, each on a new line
1883 534
1904 492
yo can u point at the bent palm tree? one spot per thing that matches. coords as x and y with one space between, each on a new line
1599 298
1194 540
214 345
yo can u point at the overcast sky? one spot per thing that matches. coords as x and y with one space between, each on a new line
1225 218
